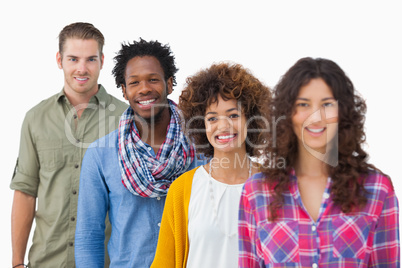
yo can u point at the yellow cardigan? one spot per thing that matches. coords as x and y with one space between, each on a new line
172 249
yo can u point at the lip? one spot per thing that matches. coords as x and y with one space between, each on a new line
315 131
146 103
225 137
81 80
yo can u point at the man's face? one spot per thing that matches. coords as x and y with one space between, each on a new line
81 63
146 89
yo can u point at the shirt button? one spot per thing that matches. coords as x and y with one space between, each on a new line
76 166
158 198
159 224
74 192
149 148
326 195
313 228
71 244
77 141
75 116
72 219
314 265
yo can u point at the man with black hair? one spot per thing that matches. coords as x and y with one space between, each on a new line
130 175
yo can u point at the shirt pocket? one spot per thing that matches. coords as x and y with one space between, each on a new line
280 242
350 235
50 154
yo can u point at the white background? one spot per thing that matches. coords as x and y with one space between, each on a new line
363 37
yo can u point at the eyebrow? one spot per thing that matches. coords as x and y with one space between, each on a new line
72 56
151 74
324 99
227 111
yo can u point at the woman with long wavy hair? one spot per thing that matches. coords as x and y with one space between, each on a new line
326 206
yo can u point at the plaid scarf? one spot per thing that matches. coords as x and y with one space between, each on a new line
146 175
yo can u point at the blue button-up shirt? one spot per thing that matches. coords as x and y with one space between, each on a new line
135 220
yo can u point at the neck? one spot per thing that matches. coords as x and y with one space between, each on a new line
231 168
153 132
309 165
79 100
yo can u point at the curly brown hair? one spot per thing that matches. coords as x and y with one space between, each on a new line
230 81
348 176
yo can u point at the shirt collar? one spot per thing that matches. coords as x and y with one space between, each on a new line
101 97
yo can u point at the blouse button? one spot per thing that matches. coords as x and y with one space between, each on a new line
158 198
313 228
326 195
314 265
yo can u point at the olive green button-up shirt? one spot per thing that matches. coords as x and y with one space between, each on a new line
53 143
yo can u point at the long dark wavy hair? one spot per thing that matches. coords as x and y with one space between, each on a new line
348 176
230 81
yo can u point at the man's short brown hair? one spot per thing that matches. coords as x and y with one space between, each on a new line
81 30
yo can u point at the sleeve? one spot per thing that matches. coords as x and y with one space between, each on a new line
26 175
167 248
249 250
386 242
93 203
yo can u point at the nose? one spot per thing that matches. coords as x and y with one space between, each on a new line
315 117
144 88
224 123
322 113
82 67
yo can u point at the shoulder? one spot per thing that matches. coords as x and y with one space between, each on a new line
35 116
378 183
44 105
380 194
121 106
109 139
115 103
257 182
179 193
183 182
105 147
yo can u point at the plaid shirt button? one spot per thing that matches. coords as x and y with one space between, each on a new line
314 265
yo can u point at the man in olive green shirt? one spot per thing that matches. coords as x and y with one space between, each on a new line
54 138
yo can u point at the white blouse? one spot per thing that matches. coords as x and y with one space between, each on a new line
213 238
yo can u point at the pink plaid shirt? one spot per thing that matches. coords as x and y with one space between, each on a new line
367 238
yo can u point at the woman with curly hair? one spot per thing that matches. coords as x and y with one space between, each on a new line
328 207
225 110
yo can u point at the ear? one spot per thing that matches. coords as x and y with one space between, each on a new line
169 85
102 60
123 89
58 60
